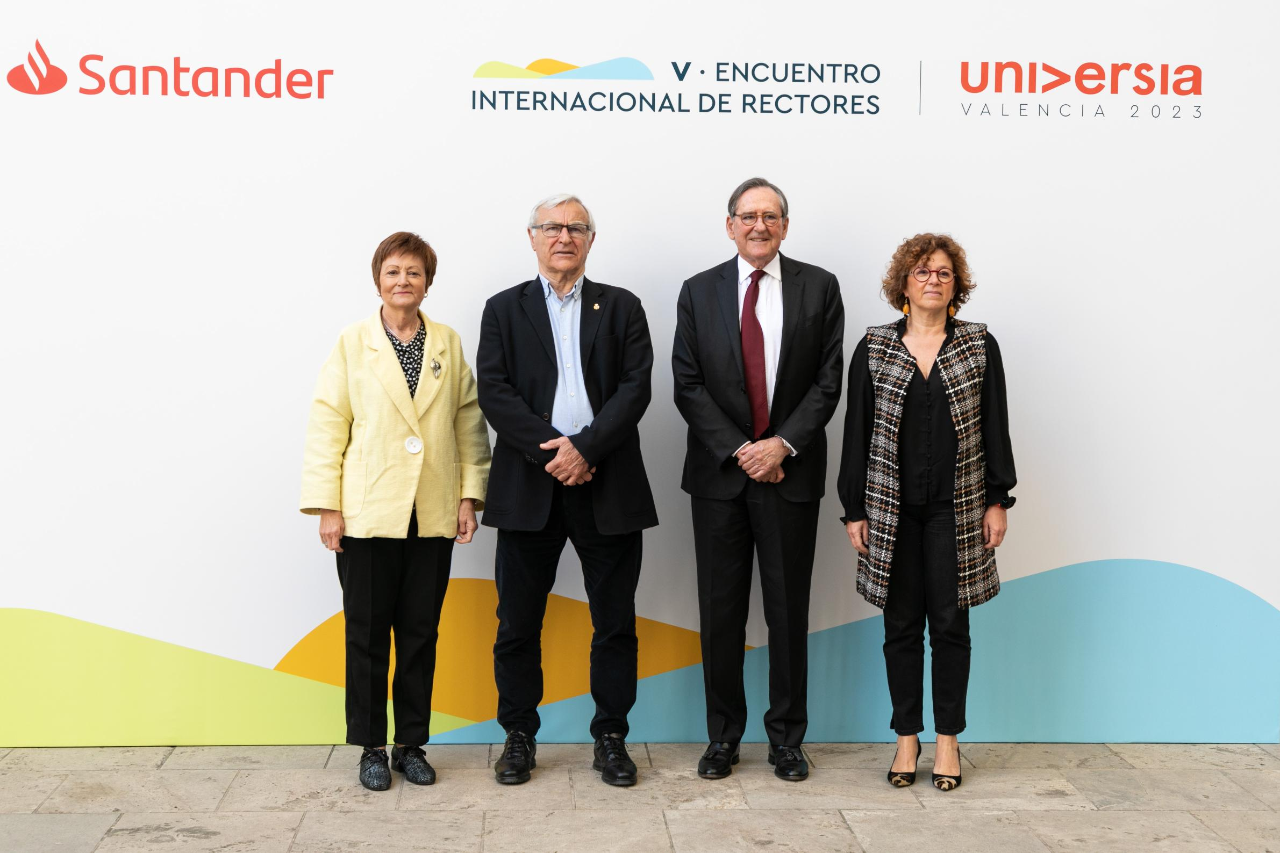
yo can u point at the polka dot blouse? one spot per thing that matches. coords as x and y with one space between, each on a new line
410 355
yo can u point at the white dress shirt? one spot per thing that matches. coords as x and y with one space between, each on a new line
769 313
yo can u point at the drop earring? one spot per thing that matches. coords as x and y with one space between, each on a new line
951 310
906 309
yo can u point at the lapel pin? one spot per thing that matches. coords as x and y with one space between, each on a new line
596 306
435 368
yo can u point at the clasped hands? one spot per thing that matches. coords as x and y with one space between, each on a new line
568 467
762 460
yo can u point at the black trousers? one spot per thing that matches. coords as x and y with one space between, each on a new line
924 585
392 584
782 535
525 571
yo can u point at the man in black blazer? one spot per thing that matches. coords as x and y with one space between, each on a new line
563 373
757 362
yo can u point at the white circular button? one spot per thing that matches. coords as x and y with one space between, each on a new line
413 444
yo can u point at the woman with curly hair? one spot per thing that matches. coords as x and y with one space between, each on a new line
925 476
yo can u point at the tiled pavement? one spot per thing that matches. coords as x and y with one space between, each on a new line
1100 798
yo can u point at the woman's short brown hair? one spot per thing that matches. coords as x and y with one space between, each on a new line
404 243
916 249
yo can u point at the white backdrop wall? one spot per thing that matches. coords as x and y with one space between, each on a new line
175 270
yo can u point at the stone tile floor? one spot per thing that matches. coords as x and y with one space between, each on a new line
1101 798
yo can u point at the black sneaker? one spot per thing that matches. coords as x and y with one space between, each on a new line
613 763
412 762
374 772
517 759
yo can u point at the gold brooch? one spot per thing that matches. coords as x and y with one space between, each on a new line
596 306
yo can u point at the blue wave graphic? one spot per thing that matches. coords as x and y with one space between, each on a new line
623 68
1113 650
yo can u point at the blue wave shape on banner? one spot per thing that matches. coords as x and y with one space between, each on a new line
623 68
1112 650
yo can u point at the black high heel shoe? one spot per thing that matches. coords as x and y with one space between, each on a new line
943 782
903 780
946 783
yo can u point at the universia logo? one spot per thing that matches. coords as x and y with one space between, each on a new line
1090 78
37 76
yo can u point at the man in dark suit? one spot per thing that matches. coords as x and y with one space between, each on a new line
563 372
757 363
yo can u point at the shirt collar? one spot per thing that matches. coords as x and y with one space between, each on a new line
773 268
547 292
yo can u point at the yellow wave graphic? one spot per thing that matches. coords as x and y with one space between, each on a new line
464 684
506 71
537 68
73 683
549 66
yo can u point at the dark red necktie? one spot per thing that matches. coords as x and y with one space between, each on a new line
753 358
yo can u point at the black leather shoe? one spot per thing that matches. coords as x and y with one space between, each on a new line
412 762
374 773
517 759
717 762
788 763
613 763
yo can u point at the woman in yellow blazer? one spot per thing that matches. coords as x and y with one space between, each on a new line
396 465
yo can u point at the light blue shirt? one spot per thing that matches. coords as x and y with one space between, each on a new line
571 412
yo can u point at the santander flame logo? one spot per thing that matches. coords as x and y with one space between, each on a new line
38 76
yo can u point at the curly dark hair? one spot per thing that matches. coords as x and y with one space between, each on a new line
912 252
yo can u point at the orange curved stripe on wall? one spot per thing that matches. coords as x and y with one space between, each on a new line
464 655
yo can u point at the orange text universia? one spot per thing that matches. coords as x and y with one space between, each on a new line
1077 87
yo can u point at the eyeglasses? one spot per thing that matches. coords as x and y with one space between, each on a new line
771 220
944 275
553 229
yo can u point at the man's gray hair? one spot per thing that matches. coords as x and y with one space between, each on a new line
556 201
755 184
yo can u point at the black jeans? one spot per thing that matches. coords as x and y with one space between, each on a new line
924 583
525 571
386 584
781 535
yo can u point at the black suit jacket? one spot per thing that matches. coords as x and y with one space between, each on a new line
710 388
516 378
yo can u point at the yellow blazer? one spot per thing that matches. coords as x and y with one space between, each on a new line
374 452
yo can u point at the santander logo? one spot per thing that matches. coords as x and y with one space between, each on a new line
171 78
38 76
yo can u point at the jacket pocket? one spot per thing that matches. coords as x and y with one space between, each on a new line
353 482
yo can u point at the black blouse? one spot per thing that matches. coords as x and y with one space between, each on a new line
927 446
410 355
